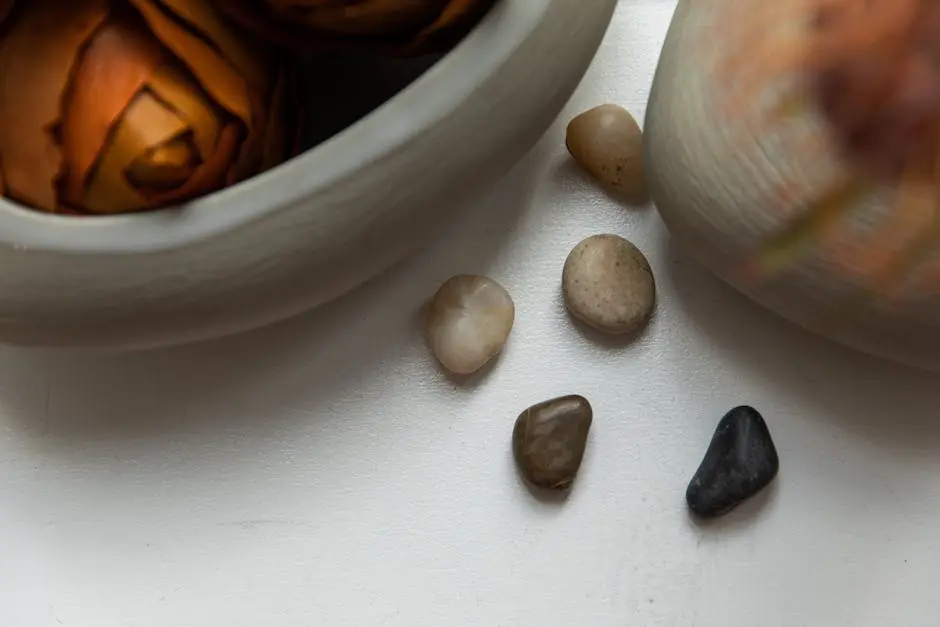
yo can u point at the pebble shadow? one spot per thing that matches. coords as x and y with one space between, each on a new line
470 382
888 403
568 175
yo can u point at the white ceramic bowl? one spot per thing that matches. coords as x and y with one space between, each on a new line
315 227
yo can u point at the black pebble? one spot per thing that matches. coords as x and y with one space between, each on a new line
740 462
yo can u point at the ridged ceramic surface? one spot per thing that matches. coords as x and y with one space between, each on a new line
749 178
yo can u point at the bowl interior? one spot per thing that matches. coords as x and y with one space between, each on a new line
340 89
337 90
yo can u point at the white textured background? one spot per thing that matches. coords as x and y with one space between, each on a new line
322 472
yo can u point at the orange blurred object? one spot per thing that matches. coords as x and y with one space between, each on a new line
128 105
874 68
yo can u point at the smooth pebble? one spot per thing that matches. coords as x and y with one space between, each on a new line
607 283
740 462
467 322
608 143
549 439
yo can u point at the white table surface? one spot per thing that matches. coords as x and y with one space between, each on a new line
323 472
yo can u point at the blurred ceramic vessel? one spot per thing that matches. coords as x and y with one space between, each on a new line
767 168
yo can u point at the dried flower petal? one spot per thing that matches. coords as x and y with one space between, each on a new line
165 167
458 17
36 57
367 17
114 68
397 26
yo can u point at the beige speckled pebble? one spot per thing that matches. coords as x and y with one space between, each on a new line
607 283
608 143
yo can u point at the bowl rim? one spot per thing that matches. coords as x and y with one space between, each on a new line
428 99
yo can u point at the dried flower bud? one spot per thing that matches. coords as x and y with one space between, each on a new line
127 105
397 26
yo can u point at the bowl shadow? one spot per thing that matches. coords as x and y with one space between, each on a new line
255 382
891 404
339 89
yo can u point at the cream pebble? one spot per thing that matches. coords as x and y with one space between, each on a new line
468 321
607 283
608 143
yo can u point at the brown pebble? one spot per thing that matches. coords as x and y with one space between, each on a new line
549 439
607 283
608 143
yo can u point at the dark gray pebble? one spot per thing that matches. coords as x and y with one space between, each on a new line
740 462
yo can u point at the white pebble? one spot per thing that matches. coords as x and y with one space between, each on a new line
468 321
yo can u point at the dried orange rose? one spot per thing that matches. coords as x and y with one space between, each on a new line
397 26
128 105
